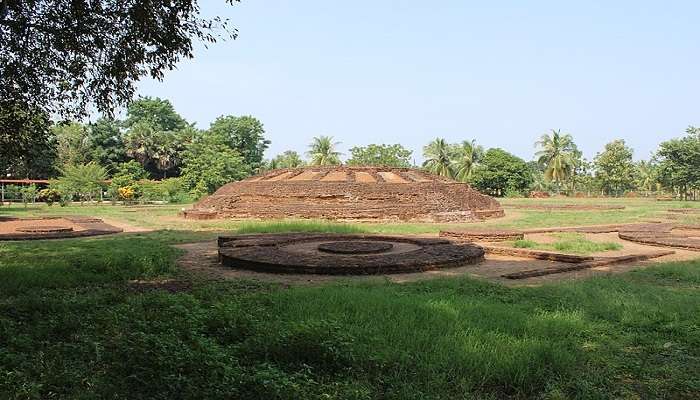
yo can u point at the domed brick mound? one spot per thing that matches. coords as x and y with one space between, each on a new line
309 253
348 193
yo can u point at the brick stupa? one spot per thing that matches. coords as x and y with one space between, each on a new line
348 193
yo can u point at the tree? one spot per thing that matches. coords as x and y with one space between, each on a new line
127 174
646 176
156 112
59 57
209 164
556 154
156 135
679 163
81 180
243 134
438 158
72 143
29 151
106 144
288 159
501 173
384 155
466 156
614 168
322 151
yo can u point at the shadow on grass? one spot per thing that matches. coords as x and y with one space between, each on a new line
66 334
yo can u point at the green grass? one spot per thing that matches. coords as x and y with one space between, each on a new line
299 226
575 243
70 328
166 216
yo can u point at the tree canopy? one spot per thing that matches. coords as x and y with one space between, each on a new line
615 168
679 162
386 155
243 134
501 173
59 57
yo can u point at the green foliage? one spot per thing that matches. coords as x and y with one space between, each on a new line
72 143
288 159
438 158
245 135
83 181
106 144
384 155
128 174
156 135
28 193
574 243
678 163
49 196
285 226
26 146
614 168
209 164
466 156
646 176
155 112
169 190
557 156
76 327
501 172
322 151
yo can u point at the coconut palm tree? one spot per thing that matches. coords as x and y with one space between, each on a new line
438 159
468 155
556 154
322 151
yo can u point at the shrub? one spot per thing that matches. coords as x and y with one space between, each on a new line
49 196
28 194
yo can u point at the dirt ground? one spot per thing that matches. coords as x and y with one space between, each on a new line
12 225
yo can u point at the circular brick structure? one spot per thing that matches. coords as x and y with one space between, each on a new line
34 228
355 247
483 235
679 237
348 193
304 253
44 229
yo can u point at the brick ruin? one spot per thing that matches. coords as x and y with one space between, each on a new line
348 193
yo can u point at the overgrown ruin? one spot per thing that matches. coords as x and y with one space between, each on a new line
348 193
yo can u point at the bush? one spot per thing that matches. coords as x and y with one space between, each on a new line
49 196
28 194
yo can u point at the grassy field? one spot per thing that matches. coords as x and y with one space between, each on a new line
568 242
166 216
72 326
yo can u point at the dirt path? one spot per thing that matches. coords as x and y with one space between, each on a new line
127 228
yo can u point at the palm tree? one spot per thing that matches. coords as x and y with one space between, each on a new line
468 155
557 156
322 151
437 158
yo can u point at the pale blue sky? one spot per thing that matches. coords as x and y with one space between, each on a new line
406 72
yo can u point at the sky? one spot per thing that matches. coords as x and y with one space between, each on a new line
501 72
